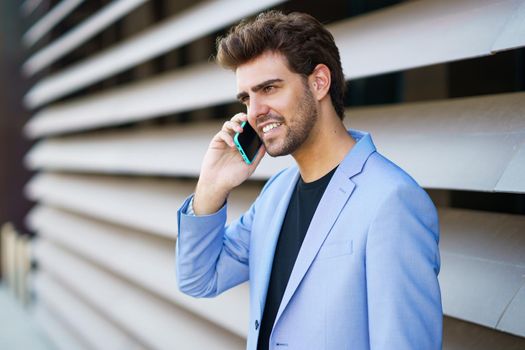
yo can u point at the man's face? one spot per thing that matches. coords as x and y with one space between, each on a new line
280 106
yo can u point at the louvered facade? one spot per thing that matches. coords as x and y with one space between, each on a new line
124 99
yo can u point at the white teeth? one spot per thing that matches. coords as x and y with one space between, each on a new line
270 127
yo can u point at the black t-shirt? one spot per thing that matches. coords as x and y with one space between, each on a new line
301 209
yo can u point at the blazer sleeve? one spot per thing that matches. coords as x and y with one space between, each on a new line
402 265
210 256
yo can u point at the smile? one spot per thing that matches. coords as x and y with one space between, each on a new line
270 127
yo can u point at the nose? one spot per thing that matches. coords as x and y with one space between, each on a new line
256 109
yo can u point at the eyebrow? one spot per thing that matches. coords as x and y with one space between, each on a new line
258 87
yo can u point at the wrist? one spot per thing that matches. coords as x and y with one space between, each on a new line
208 199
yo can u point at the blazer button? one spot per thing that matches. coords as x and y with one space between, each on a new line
256 324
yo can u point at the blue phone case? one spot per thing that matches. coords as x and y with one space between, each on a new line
239 147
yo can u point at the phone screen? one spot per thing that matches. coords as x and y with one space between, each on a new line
247 142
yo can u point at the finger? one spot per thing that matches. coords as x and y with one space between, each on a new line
230 126
226 137
239 118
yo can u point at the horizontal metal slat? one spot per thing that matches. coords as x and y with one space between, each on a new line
473 143
513 320
460 335
155 322
109 199
93 328
483 260
512 179
514 31
170 151
181 29
189 88
482 257
376 43
144 204
28 6
124 251
58 331
78 35
421 33
466 144
46 23
483 268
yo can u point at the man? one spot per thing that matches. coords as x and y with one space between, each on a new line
341 251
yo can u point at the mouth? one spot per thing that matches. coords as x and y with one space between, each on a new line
269 127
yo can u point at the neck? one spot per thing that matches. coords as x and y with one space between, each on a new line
325 147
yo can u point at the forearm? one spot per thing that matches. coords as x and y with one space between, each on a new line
206 261
199 243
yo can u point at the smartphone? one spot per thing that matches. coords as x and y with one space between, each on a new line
247 142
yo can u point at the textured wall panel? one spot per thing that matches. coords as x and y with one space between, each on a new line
78 35
487 269
373 44
154 321
106 247
59 330
181 29
144 204
469 144
117 248
46 23
460 335
189 88
28 6
421 33
513 34
483 264
95 330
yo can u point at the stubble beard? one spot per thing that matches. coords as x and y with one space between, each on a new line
298 128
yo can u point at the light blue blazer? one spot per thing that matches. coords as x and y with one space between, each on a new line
366 274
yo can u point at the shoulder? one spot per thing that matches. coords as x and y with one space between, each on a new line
400 208
385 184
391 176
385 176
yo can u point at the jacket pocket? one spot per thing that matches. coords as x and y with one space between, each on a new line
335 249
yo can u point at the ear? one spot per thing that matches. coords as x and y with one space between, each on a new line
319 81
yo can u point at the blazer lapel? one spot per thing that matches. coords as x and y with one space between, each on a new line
336 195
333 201
264 268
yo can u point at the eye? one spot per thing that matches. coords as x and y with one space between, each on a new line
244 100
268 89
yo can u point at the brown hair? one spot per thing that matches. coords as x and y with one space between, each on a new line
301 38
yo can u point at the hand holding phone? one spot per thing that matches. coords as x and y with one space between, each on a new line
247 142
221 168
